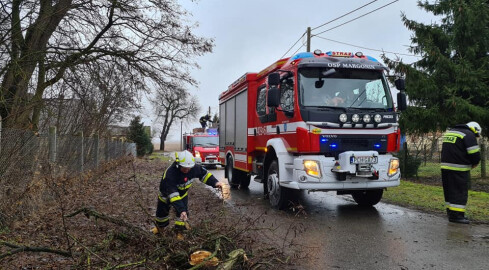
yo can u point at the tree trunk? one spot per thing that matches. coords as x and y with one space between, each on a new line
26 54
162 144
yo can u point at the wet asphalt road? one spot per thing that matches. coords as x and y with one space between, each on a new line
332 232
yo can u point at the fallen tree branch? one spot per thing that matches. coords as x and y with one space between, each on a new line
130 264
87 249
17 249
203 263
90 212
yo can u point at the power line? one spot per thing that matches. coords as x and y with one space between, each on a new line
356 18
324 25
343 15
294 45
299 48
361 47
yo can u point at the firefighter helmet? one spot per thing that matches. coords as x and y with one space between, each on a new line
475 127
185 159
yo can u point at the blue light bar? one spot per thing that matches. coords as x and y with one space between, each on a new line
333 146
377 146
324 140
371 58
302 55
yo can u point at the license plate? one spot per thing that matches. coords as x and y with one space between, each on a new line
363 160
211 161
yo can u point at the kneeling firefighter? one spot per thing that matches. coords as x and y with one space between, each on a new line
174 186
460 153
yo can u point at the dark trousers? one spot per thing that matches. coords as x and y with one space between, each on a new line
455 189
163 214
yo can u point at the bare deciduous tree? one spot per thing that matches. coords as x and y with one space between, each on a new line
42 41
172 102
103 91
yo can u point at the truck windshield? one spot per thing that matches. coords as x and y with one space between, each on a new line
344 88
206 141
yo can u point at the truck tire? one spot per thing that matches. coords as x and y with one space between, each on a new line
277 195
367 197
232 173
237 178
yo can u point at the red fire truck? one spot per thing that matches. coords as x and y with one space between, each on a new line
314 121
204 145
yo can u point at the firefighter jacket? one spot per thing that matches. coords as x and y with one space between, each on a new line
175 184
205 118
460 150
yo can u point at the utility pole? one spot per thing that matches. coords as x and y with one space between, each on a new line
181 135
308 39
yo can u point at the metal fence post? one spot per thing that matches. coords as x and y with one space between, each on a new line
82 150
52 144
97 150
483 159
0 134
107 149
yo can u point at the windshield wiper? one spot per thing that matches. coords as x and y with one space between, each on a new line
326 108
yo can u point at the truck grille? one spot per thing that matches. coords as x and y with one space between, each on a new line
358 144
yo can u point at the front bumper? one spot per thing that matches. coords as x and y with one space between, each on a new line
208 160
330 180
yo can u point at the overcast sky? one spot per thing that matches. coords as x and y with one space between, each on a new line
251 35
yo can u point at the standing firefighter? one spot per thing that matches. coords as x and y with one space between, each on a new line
460 153
204 119
174 187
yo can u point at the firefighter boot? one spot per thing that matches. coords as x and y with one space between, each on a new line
457 217
157 230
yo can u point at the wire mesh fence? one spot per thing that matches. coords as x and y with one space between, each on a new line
26 156
431 153
423 158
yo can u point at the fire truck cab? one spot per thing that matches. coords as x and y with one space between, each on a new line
204 145
314 121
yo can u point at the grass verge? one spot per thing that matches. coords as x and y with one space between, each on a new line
430 198
160 156
432 170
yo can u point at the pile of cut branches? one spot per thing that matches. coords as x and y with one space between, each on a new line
104 222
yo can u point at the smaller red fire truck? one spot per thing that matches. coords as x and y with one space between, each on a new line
204 145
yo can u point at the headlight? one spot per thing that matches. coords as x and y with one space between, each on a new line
366 118
343 118
377 118
355 118
312 168
197 154
393 167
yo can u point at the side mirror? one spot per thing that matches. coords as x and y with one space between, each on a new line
400 84
273 97
273 79
401 101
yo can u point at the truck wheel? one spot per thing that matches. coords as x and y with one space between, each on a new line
367 197
277 195
230 171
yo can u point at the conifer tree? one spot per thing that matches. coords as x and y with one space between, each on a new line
450 83
138 135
